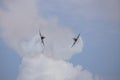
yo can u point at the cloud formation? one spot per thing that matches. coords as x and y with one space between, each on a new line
57 44
20 26
44 68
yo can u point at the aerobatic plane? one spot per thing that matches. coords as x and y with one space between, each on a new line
76 39
42 38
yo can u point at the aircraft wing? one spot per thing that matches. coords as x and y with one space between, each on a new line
74 43
43 43
40 33
78 36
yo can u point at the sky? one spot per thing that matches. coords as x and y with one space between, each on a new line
98 21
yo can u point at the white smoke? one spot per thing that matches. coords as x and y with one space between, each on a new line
20 26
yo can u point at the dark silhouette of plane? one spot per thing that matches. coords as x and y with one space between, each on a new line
42 38
76 39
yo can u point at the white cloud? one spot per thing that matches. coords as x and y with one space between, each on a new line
20 30
44 68
17 23
22 22
57 44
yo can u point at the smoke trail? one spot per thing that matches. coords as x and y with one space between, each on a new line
20 26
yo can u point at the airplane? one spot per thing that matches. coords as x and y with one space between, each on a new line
42 38
75 40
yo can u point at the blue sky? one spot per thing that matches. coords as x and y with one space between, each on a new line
9 62
101 38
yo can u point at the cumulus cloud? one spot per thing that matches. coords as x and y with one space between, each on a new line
44 68
18 21
20 25
57 44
